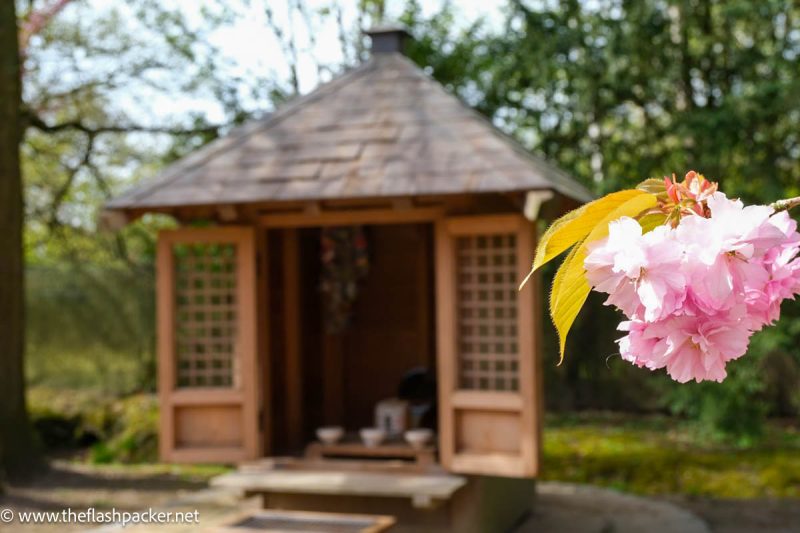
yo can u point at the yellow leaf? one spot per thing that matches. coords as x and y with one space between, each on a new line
576 225
570 290
632 207
570 287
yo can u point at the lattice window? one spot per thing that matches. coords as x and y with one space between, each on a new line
205 314
487 312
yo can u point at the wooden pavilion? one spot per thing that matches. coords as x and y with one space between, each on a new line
446 204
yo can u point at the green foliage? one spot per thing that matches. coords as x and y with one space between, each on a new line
454 56
762 383
91 326
90 77
731 413
118 430
66 421
658 455
133 435
616 92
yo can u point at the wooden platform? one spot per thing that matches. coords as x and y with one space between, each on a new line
424 490
433 501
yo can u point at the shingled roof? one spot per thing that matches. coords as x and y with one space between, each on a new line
384 129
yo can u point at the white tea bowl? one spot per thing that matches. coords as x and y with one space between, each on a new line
330 434
372 437
418 438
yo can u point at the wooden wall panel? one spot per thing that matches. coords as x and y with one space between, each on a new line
391 329
487 432
208 426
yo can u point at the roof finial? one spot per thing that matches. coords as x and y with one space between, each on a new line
388 39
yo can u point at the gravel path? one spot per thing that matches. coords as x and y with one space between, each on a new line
745 516
584 509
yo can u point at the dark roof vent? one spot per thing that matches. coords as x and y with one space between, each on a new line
388 39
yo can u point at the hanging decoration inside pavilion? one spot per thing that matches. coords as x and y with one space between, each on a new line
345 263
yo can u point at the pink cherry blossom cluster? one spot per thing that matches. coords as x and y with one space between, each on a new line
696 290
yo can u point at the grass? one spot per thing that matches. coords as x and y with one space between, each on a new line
659 455
184 472
643 455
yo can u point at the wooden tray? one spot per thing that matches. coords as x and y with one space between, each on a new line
353 448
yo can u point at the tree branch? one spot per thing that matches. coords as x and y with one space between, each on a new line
72 172
30 119
36 21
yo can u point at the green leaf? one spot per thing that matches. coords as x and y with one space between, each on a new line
652 186
576 225
570 287
652 221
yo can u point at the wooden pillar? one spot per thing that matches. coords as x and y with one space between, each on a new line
264 356
165 296
293 340
424 288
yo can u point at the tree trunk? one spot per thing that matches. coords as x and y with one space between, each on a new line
17 454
